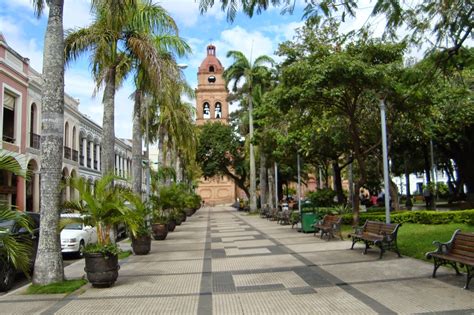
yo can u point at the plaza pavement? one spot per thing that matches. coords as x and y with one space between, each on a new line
221 261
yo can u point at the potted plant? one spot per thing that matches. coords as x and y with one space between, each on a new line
104 207
172 220
141 235
160 225
17 229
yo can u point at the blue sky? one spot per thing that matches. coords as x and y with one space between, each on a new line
25 33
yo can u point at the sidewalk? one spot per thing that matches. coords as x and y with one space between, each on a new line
224 262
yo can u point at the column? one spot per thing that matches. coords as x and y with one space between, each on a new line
36 192
92 154
84 151
125 163
116 164
97 152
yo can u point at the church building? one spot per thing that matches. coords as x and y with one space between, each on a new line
212 107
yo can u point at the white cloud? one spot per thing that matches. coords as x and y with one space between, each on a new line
17 39
77 13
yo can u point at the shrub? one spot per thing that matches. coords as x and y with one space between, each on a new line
322 197
421 217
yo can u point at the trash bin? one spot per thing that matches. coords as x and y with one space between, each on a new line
307 221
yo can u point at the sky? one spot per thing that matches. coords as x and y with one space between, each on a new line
259 35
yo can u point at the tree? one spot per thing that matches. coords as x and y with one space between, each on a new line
167 45
120 29
221 152
49 263
244 70
322 79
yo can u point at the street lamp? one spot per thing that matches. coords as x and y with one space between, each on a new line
385 159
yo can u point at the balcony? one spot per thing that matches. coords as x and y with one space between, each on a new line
75 155
8 139
35 141
67 153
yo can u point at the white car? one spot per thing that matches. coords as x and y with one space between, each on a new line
75 236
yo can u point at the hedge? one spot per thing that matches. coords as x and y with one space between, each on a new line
422 217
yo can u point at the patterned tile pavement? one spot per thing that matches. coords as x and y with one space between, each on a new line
221 261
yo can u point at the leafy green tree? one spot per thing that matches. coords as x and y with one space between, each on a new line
221 152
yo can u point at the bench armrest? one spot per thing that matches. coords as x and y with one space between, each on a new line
358 229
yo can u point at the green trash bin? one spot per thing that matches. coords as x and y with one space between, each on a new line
307 221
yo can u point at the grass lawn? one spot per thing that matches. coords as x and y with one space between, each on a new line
415 240
67 286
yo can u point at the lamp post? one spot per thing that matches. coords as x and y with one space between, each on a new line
385 159
299 182
276 185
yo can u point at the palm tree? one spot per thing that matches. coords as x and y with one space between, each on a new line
244 70
49 264
167 46
14 254
120 29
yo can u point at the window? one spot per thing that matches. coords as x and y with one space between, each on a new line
9 102
218 111
206 111
211 69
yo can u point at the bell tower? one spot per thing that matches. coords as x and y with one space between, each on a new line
211 93
212 107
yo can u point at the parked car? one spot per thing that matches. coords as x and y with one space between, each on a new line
7 270
76 235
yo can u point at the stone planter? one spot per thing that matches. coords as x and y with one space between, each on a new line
102 270
160 231
141 245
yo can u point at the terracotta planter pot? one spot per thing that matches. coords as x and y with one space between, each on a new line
178 220
102 270
171 225
141 245
160 231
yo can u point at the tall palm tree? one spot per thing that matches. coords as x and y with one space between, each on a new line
49 263
120 29
244 70
167 46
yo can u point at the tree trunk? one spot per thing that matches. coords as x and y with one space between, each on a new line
49 263
394 195
271 188
408 202
263 180
341 198
108 124
137 144
253 175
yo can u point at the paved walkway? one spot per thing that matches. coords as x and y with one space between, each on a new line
224 262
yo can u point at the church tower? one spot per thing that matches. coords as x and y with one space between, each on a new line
212 106
211 93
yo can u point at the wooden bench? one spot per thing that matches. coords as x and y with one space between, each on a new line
380 234
329 225
458 251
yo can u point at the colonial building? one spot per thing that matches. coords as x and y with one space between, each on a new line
212 107
20 132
